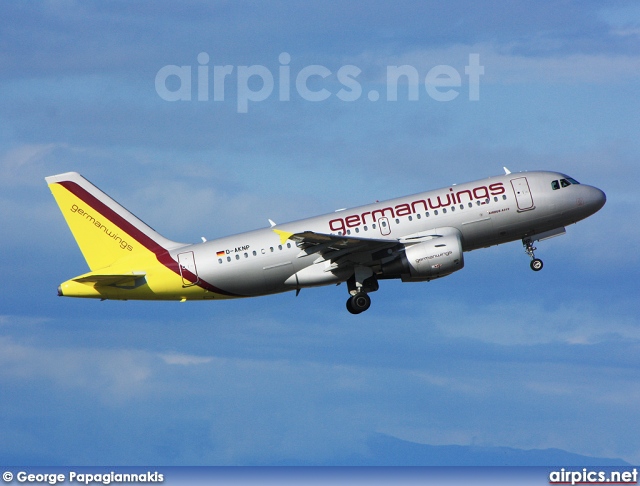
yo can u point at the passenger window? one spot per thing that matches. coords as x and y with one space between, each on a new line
555 185
229 259
219 260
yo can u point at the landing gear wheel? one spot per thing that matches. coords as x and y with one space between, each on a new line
358 303
536 264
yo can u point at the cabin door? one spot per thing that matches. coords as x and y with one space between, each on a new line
523 193
383 224
188 270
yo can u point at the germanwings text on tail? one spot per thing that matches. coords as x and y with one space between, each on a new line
414 238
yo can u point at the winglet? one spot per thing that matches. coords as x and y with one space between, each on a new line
284 235
506 171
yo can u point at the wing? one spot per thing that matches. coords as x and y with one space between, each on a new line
338 249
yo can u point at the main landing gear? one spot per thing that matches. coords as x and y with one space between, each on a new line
360 284
536 264
358 303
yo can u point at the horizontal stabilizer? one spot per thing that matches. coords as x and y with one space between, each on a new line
121 279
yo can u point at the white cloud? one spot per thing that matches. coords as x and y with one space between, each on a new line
184 359
23 164
113 376
528 322
502 65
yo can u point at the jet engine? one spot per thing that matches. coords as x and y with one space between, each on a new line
427 260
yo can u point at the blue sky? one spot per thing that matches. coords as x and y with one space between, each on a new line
494 355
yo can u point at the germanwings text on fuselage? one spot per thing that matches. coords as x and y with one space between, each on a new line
479 194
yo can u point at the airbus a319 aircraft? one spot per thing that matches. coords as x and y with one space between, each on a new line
414 238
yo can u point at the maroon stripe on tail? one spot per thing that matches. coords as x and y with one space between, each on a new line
161 253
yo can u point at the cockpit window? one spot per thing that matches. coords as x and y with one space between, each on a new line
555 185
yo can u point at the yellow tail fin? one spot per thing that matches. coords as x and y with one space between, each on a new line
104 230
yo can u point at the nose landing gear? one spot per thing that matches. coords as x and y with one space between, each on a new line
536 264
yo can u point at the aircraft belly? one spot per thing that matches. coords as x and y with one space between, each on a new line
275 275
477 232
253 278
518 225
240 278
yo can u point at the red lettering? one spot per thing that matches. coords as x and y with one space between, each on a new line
467 192
484 192
382 212
440 203
340 225
421 201
403 210
352 221
497 189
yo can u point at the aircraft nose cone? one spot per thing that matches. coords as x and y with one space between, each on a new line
597 198
592 199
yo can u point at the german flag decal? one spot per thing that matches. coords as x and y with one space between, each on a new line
220 253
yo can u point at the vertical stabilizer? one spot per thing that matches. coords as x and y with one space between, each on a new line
105 231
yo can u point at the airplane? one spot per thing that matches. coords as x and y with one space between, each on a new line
415 238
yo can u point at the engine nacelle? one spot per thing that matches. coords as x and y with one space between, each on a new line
427 260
